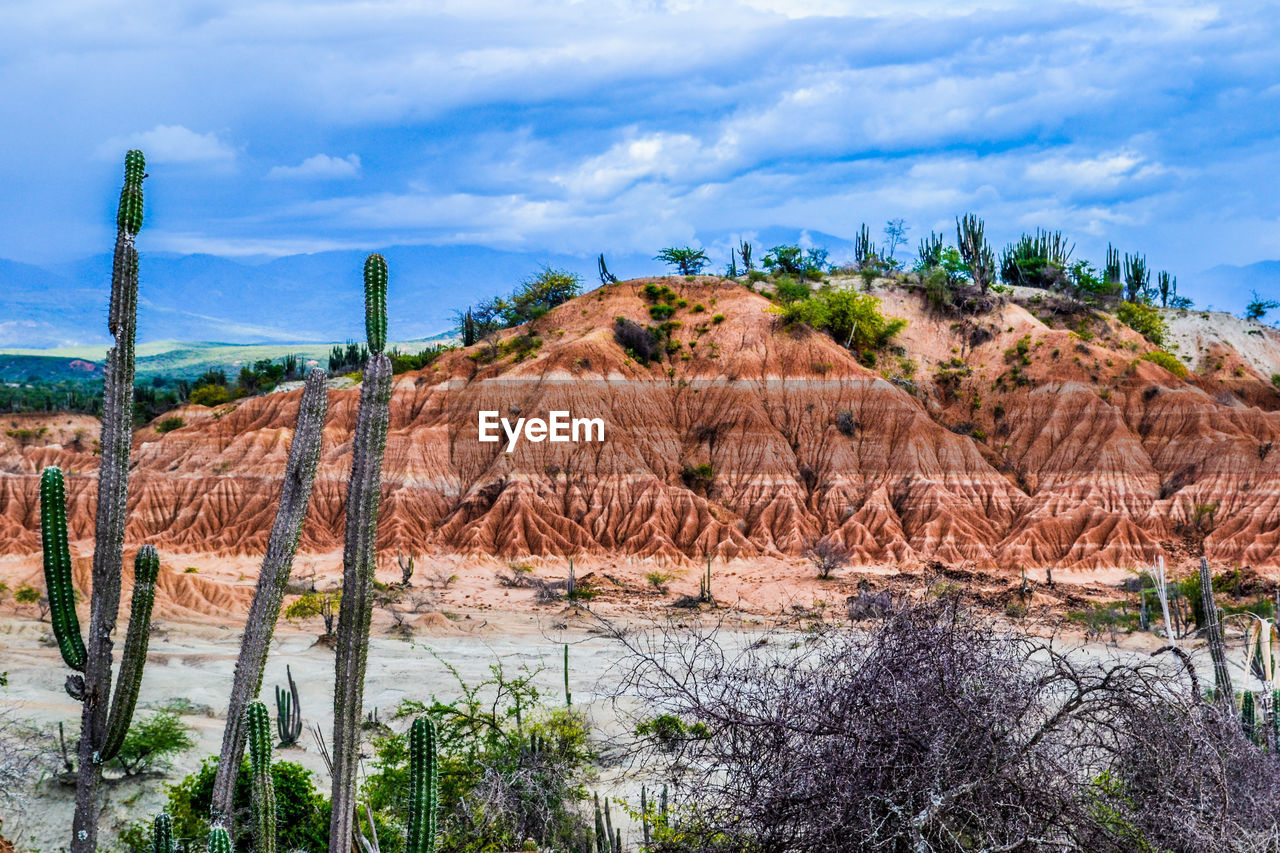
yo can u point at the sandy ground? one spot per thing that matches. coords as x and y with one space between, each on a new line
475 624
193 661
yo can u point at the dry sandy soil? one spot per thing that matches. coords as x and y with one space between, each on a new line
193 651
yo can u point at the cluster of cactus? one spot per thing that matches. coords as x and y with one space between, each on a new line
1111 269
930 250
1137 278
606 838
704 586
863 249
1036 260
646 819
975 251
359 558
105 717
1168 287
744 250
288 711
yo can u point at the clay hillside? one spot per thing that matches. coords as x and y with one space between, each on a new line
1004 441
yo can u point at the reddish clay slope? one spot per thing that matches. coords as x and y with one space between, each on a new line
1082 457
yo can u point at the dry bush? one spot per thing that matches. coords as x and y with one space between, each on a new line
934 730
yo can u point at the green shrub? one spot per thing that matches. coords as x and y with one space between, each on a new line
661 312
852 319
170 424
1168 361
151 743
719 318
1275 380
302 812
1143 319
210 395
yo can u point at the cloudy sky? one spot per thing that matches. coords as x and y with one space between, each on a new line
282 127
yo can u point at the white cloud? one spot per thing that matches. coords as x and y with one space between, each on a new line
319 167
171 143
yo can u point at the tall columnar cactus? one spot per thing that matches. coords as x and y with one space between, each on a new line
263 791
375 302
288 711
104 718
1222 689
975 251
57 568
277 563
359 561
424 787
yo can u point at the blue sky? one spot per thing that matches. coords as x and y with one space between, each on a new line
274 128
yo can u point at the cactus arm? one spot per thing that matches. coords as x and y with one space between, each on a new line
277 564
146 566
162 834
424 787
358 563
109 524
375 303
258 726
57 568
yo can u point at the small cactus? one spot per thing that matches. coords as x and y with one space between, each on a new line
568 696
162 834
57 568
258 736
424 787
220 841
288 711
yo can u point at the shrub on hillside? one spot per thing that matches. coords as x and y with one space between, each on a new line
1168 361
1144 319
637 340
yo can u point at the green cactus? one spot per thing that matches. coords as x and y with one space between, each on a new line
602 840
57 568
375 302
273 578
1249 716
258 736
288 711
568 697
220 840
146 567
104 719
364 490
1222 689
162 834
1275 718
424 787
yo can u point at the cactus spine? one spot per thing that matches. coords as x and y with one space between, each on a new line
424 787
375 303
277 563
358 563
162 834
288 712
103 721
57 568
258 727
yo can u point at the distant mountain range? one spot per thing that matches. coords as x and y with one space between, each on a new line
297 298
